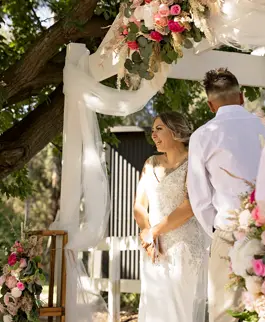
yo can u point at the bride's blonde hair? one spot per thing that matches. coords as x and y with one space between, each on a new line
178 124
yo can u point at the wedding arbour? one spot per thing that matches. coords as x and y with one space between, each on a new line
84 177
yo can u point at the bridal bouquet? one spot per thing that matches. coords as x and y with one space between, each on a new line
21 282
153 31
247 259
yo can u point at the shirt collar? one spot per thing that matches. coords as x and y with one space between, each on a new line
229 109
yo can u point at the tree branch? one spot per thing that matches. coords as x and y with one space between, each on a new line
46 47
26 85
25 139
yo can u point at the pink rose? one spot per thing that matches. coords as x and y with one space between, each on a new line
156 36
132 45
6 298
258 267
23 263
148 1
175 10
174 26
252 196
11 282
12 259
258 217
163 10
2 280
160 21
20 286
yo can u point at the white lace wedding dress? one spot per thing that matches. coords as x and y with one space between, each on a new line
169 288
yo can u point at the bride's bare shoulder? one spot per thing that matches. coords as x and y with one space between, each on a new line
154 160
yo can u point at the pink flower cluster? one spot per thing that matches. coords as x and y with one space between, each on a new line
258 217
164 17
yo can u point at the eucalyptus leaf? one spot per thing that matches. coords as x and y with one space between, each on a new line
131 36
128 64
188 44
136 58
149 75
172 55
127 12
144 66
144 29
142 41
133 27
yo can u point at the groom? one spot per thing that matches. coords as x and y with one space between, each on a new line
229 141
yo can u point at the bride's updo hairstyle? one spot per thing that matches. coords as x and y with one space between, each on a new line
178 124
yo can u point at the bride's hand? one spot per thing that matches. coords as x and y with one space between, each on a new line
144 236
151 252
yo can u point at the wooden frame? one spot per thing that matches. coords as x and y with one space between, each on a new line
59 311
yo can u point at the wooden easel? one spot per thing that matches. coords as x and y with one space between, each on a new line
59 311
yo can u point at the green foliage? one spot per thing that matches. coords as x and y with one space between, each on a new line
186 97
245 316
251 93
17 184
9 230
130 301
109 9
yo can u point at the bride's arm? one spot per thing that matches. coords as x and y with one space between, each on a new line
141 203
176 219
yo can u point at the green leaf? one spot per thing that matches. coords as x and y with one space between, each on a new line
188 44
165 58
133 27
149 75
131 36
37 259
127 12
142 41
128 64
136 58
144 29
172 55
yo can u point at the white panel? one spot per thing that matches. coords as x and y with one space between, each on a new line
250 70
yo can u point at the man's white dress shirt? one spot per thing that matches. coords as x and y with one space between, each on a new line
231 140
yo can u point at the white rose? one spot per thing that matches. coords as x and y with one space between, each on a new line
16 292
261 320
242 253
244 219
7 318
139 13
253 284
148 17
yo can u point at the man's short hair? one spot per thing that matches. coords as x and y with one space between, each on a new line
220 83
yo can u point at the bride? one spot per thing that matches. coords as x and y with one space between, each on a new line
172 239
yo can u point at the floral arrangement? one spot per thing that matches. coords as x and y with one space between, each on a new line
247 258
150 32
21 282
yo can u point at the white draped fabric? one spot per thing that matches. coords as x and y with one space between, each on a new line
84 175
241 24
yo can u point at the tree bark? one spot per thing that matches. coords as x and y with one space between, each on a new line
25 139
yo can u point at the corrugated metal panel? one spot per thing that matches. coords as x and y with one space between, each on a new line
126 163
